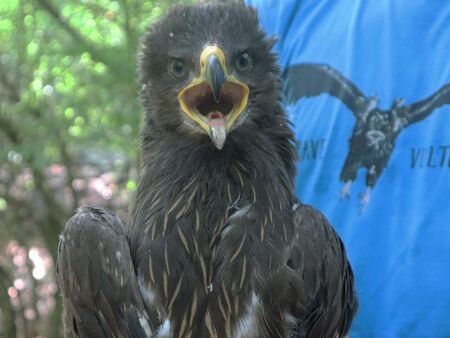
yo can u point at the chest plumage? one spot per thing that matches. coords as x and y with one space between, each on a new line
205 238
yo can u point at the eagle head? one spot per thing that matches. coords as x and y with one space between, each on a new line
207 71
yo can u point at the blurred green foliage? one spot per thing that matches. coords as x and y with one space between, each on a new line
68 92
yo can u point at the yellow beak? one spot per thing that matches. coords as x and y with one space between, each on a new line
214 99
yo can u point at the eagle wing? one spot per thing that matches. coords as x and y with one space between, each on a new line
96 275
327 300
310 79
420 110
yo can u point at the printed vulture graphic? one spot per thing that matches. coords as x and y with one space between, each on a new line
373 138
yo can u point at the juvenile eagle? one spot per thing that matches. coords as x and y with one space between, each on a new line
217 245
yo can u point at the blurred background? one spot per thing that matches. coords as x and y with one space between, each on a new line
69 123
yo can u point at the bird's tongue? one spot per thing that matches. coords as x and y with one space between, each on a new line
217 128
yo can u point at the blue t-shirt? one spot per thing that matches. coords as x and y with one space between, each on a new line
369 98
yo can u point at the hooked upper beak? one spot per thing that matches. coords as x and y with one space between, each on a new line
214 99
214 75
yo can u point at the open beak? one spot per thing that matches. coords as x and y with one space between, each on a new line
214 99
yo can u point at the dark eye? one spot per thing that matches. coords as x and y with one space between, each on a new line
243 62
177 68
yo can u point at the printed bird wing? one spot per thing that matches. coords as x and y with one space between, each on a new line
422 109
309 79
